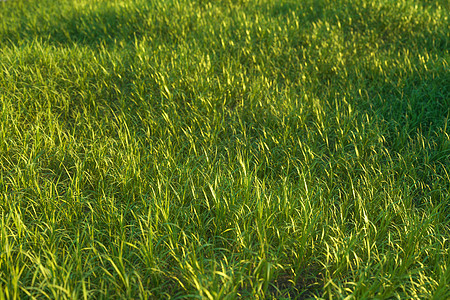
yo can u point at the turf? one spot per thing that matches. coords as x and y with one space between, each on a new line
224 149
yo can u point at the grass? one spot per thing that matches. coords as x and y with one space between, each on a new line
224 149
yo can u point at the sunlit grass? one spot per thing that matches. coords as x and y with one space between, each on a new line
224 149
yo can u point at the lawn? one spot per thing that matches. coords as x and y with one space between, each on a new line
225 149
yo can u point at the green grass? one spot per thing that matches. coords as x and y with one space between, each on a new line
224 149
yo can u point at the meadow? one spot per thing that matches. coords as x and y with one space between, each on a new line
228 149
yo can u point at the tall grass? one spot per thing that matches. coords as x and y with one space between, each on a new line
224 149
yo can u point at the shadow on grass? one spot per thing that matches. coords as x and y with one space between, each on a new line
100 24
392 25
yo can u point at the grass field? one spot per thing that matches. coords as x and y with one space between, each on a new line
252 149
